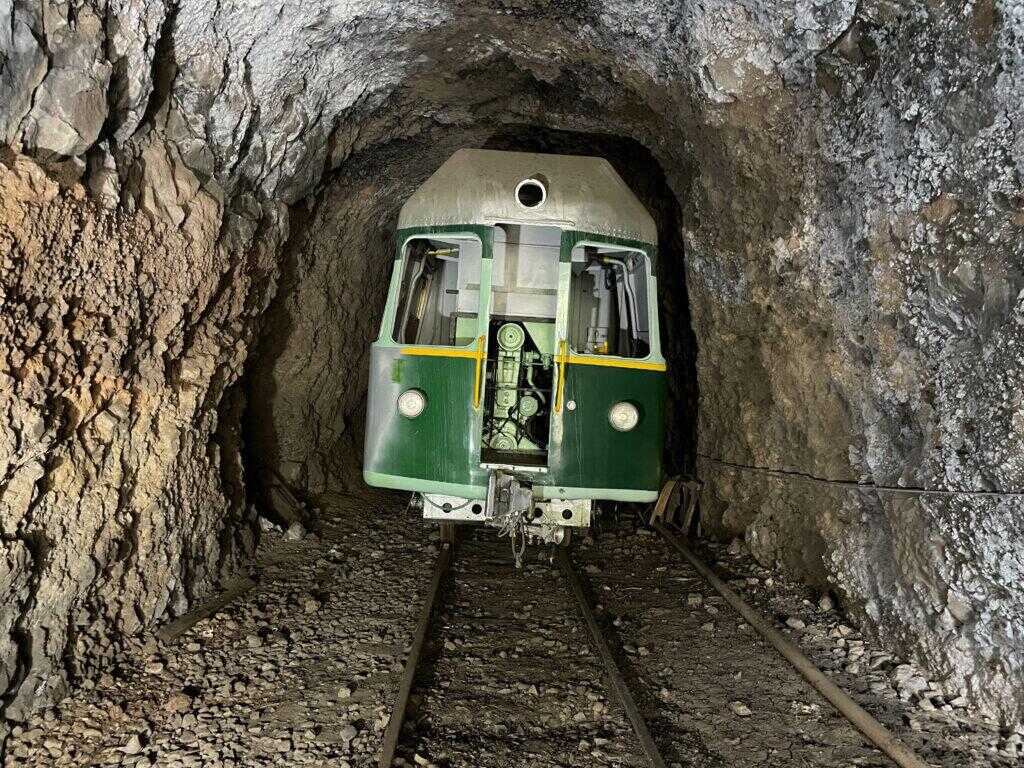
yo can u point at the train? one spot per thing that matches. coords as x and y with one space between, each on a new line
517 379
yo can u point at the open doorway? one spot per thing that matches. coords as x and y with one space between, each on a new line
521 346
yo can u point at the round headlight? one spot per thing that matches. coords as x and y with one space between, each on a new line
411 403
623 416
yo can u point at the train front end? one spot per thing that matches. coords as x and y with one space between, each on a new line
517 378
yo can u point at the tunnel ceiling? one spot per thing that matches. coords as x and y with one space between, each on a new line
196 208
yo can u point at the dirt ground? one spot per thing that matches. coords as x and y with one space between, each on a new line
301 668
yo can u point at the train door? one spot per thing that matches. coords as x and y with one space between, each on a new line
610 383
520 364
423 416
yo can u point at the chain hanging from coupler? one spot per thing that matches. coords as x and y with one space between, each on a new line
510 501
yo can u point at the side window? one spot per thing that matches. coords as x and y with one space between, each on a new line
608 302
439 297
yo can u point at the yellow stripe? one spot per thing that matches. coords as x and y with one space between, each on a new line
476 373
560 361
439 352
473 354
639 365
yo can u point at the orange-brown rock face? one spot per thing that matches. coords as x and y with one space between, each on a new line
120 338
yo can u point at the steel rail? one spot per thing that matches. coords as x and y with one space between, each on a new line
877 733
636 719
394 728
174 629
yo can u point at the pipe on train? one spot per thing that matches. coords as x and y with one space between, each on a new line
882 738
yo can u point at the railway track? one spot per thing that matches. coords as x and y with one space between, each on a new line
547 602
548 635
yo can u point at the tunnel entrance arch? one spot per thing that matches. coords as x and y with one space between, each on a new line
305 440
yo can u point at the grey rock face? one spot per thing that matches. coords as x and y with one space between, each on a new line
849 182
878 339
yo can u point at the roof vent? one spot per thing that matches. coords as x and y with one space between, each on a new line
531 193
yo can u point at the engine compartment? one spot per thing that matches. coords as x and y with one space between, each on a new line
520 377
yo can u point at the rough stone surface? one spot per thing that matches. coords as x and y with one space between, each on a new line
846 179
118 338
871 330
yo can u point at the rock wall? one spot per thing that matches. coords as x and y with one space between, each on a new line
872 332
845 177
309 376
120 495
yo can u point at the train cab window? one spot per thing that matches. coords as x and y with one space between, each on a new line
608 302
439 298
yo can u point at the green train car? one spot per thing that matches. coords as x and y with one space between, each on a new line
518 376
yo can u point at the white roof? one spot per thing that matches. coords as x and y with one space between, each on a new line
478 186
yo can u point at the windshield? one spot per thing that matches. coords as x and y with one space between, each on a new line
608 302
439 299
